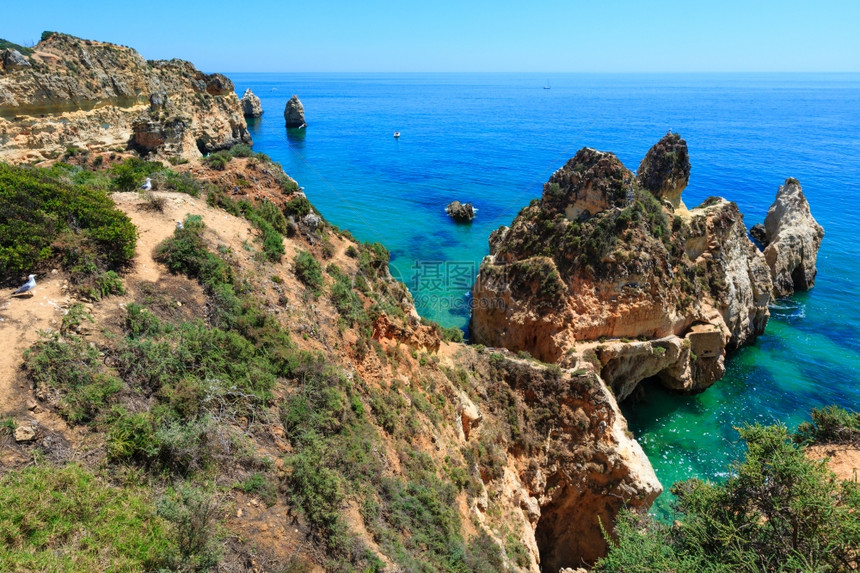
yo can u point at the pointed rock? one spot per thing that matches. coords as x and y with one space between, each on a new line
294 112
792 239
251 106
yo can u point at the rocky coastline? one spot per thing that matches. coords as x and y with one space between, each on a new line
516 441
611 268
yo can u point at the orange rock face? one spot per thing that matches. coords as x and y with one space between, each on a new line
601 257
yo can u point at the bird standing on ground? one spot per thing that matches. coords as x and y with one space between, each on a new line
27 286
179 225
147 185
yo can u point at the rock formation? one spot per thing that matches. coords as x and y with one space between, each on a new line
606 255
251 105
791 239
13 60
92 95
665 170
294 112
460 212
584 468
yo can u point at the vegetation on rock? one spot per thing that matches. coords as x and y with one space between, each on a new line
777 511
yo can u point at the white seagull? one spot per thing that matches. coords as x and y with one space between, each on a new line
179 225
148 185
27 286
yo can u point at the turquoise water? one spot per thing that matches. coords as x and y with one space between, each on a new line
493 139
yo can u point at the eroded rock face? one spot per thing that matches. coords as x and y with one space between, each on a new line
665 170
583 467
99 96
792 239
251 105
599 256
14 60
294 112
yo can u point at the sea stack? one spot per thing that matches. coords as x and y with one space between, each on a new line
294 112
251 106
791 240
665 170
460 212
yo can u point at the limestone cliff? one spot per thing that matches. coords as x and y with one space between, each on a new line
99 96
606 254
792 238
565 456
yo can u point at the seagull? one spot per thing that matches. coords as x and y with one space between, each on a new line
27 286
179 225
148 185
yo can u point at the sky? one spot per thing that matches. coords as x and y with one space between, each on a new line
616 36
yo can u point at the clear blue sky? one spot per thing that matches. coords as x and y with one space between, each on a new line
464 35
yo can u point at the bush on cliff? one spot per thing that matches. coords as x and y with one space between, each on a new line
779 511
44 217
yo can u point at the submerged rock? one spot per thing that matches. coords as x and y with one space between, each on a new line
294 112
251 105
792 240
460 212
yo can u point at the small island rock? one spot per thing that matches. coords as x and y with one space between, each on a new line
251 106
792 240
460 212
294 112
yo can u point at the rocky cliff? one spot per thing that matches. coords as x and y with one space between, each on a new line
605 254
792 238
74 93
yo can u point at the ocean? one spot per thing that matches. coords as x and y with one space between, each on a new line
494 139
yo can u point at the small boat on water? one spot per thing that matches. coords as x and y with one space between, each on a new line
547 86
396 134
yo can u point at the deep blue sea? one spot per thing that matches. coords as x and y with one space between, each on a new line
494 139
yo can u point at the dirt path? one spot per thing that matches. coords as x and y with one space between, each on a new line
21 319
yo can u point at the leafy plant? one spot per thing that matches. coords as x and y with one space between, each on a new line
308 270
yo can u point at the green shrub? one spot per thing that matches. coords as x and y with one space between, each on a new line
308 270
452 334
830 425
185 252
218 161
260 485
192 514
241 150
298 207
42 217
128 175
346 301
778 511
72 368
107 284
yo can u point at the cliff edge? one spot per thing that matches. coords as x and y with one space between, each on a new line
75 93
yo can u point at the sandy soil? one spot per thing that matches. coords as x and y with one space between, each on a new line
844 459
21 319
